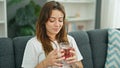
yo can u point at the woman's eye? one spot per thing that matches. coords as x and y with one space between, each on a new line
61 20
51 20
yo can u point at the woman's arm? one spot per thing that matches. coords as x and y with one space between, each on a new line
77 57
77 64
42 65
52 59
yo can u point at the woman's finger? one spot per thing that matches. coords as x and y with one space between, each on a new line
71 59
53 52
73 52
58 64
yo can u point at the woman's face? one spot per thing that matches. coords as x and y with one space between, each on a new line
54 23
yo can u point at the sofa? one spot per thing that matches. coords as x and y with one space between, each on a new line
92 45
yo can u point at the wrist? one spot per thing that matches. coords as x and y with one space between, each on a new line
75 65
45 65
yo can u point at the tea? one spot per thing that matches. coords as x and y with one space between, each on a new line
67 52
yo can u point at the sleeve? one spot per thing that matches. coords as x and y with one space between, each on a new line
79 56
30 58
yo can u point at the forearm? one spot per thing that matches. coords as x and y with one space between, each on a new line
41 65
77 65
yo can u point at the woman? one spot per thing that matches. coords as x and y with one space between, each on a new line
42 51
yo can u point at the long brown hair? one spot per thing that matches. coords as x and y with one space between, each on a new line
41 33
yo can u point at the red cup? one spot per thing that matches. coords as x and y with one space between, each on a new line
66 49
67 52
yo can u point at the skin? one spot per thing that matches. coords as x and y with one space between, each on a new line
53 26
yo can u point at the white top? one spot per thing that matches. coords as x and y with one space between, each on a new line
34 52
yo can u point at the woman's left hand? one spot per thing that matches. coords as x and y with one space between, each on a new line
73 58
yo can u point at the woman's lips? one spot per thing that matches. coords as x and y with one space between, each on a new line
56 29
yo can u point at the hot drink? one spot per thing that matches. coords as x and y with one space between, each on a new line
67 52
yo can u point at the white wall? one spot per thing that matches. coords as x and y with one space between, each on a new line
117 14
110 14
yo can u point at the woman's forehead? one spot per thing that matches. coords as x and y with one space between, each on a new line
56 13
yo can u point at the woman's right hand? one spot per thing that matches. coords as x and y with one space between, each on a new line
54 58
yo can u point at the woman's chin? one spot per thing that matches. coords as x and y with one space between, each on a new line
56 32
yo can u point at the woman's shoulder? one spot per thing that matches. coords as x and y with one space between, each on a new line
34 43
33 40
70 38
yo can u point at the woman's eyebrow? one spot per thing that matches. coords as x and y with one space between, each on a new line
55 17
52 17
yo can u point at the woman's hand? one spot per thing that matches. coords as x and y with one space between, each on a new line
53 59
73 57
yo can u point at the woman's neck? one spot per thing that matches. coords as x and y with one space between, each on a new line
52 38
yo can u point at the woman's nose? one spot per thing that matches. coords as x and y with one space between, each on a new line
56 23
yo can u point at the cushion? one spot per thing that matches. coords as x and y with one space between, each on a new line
19 45
98 41
6 53
82 41
113 52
